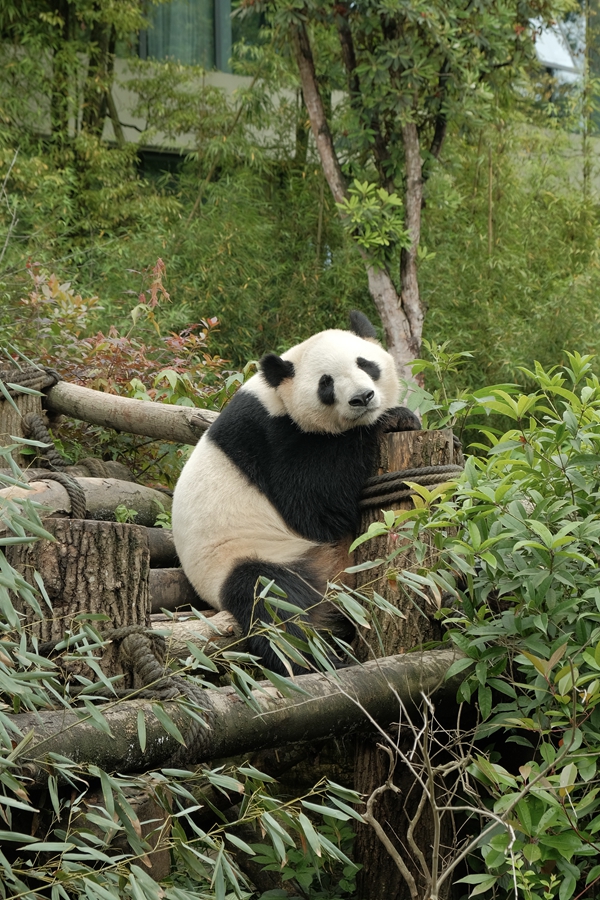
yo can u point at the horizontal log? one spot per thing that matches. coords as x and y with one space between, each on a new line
329 706
217 629
162 421
162 548
170 589
102 496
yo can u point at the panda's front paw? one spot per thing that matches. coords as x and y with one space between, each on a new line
399 418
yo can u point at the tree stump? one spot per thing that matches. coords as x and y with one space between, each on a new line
93 567
11 421
380 877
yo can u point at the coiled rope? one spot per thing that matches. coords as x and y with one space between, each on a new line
143 652
35 427
37 378
391 487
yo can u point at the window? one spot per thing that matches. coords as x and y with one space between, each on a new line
192 32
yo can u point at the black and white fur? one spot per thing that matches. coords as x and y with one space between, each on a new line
272 488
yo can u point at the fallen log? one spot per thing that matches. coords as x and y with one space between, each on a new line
328 706
162 548
214 629
102 497
162 421
170 589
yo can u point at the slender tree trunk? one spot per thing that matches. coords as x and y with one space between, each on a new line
413 201
401 313
99 78
62 79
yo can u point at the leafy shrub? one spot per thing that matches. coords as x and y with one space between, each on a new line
56 327
519 544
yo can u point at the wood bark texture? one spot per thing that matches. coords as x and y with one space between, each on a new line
91 567
170 589
102 497
379 876
413 201
401 314
214 629
331 706
155 420
11 422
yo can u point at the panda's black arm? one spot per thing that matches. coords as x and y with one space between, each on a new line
399 418
241 433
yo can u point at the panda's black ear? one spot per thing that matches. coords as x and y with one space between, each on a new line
275 369
361 326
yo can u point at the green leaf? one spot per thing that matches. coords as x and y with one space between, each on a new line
326 810
167 723
239 843
141 729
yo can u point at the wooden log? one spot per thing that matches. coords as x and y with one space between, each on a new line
155 420
113 469
379 877
91 567
170 589
162 548
11 422
102 495
214 629
327 707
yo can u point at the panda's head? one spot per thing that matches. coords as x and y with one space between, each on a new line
332 382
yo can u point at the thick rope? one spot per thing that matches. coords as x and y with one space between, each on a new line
35 427
391 487
37 378
97 468
143 652
73 489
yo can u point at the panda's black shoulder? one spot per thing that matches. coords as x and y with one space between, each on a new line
244 433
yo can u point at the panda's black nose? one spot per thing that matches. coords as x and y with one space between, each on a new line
362 399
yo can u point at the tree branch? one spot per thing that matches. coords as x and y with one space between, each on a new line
316 112
380 152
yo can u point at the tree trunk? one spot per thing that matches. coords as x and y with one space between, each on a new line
11 422
99 77
401 315
413 201
92 567
379 876
62 80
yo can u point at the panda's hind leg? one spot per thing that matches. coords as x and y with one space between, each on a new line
240 596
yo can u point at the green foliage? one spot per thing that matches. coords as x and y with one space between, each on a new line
518 541
374 219
513 276
56 326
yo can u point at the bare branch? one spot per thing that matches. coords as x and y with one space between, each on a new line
316 112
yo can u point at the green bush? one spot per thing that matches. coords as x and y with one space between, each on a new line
518 541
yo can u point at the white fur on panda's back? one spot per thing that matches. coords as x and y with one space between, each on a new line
219 519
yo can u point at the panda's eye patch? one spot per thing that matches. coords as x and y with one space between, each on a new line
370 367
326 391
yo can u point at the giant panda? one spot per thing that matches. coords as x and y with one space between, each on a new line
272 488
